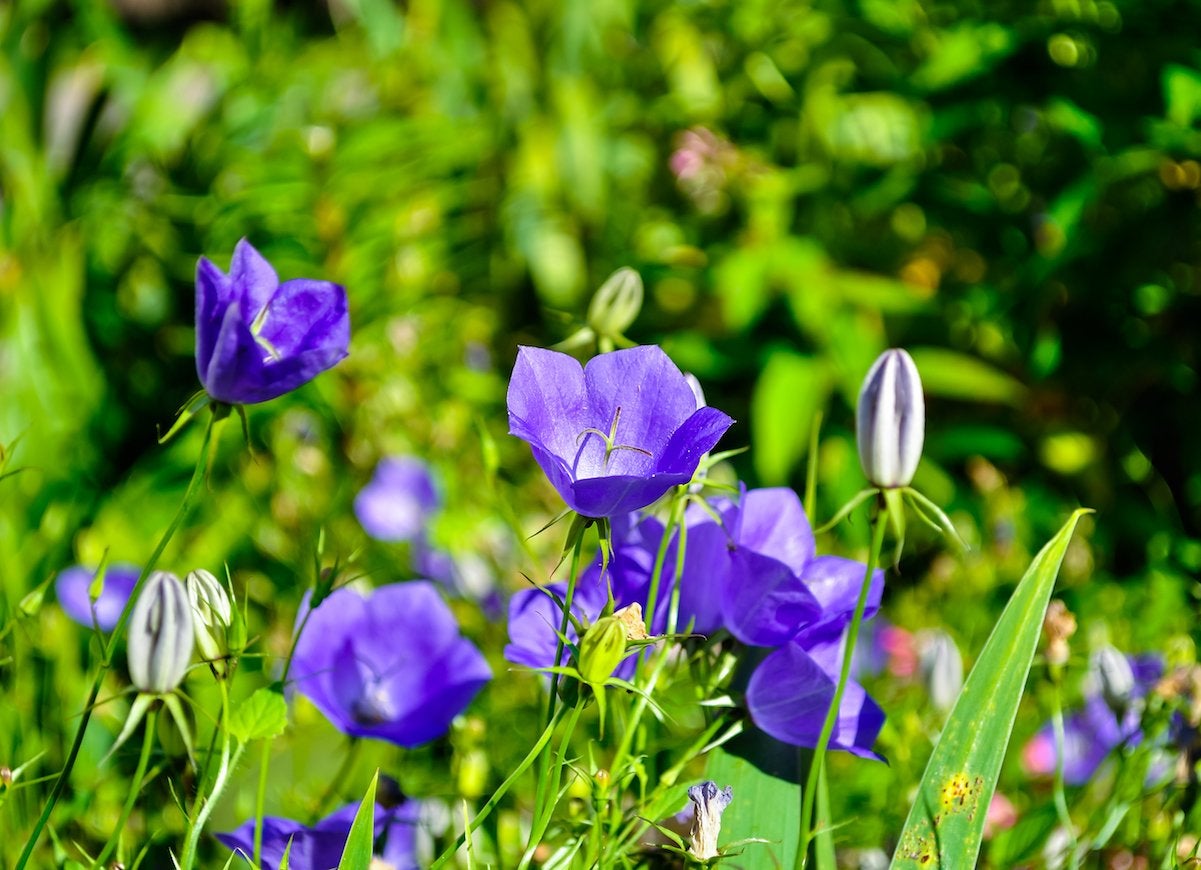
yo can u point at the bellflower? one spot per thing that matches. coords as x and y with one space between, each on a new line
256 338
613 436
1091 733
320 847
72 587
161 635
397 502
891 420
391 666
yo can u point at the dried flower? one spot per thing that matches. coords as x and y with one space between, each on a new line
709 802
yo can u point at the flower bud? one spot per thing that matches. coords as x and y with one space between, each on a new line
616 304
942 669
602 649
709 802
160 635
211 613
1113 678
891 421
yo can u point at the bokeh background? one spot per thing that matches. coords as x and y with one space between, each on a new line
1010 190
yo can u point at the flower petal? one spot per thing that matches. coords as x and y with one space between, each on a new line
764 602
303 315
547 403
836 583
253 279
619 494
695 437
789 695
773 523
213 295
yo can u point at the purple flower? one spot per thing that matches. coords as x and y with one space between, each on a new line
256 338
392 666
616 435
72 590
397 502
1090 734
320 847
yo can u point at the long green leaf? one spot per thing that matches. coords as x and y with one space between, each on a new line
767 800
946 821
361 841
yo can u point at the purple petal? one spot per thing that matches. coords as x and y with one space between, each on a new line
213 295
71 587
706 572
764 602
773 523
837 582
696 436
547 403
254 279
789 695
397 502
305 314
235 369
619 494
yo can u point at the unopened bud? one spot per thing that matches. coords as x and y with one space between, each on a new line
942 669
1113 678
709 802
160 635
616 304
891 423
6 776
211 613
1058 627
602 649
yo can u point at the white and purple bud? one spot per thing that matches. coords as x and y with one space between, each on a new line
709 802
891 422
616 304
1113 678
160 635
211 613
941 667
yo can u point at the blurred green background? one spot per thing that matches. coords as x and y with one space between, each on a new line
1010 190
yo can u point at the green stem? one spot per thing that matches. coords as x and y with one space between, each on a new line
488 807
106 662
134 788
823 740
1061 801
199 820
542 820
545 760
260 798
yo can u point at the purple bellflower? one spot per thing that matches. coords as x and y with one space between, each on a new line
256 338
392 666
320 847
398 501
613 436
72 590
1091 733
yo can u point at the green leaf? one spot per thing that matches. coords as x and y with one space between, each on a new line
789 392
264 714
767 802
946 822
361 841
959 376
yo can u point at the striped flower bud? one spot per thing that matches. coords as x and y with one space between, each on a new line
160 635
211 613
891 420
616 304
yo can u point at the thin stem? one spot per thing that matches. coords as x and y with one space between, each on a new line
199 820
134 788
260 798
823 741
552 701
542 820
1061 801
64 775
500 792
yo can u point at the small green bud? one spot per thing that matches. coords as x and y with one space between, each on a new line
602 649
211 613
160 635
616 304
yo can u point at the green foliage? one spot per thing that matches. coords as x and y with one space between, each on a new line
261 716
360 845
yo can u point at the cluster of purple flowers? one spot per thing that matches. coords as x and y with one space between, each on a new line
615 437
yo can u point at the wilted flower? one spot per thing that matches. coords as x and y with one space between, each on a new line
256 338
160 635
391 666
397 502
616 435
941 667
891 421
709 802
211 612
72 587
320 847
